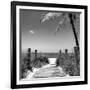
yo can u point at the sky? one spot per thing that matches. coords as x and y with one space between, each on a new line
39 36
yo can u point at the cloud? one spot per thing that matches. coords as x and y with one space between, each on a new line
49 15
31 31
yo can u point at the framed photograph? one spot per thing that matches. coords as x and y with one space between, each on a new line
48 44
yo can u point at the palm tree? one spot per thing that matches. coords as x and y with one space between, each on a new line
64 16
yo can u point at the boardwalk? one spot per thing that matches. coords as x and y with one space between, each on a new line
47 71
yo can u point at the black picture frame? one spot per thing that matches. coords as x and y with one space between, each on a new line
14 4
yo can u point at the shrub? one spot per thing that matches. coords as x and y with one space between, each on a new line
68 64
24 66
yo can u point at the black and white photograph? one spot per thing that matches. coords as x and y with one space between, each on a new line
50 44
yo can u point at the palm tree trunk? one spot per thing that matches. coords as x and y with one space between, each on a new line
73 28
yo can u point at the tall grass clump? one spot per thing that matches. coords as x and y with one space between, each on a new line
39 62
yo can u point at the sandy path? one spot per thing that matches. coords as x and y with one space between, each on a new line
47 71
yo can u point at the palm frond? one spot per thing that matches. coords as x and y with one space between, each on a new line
48 16
61 22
